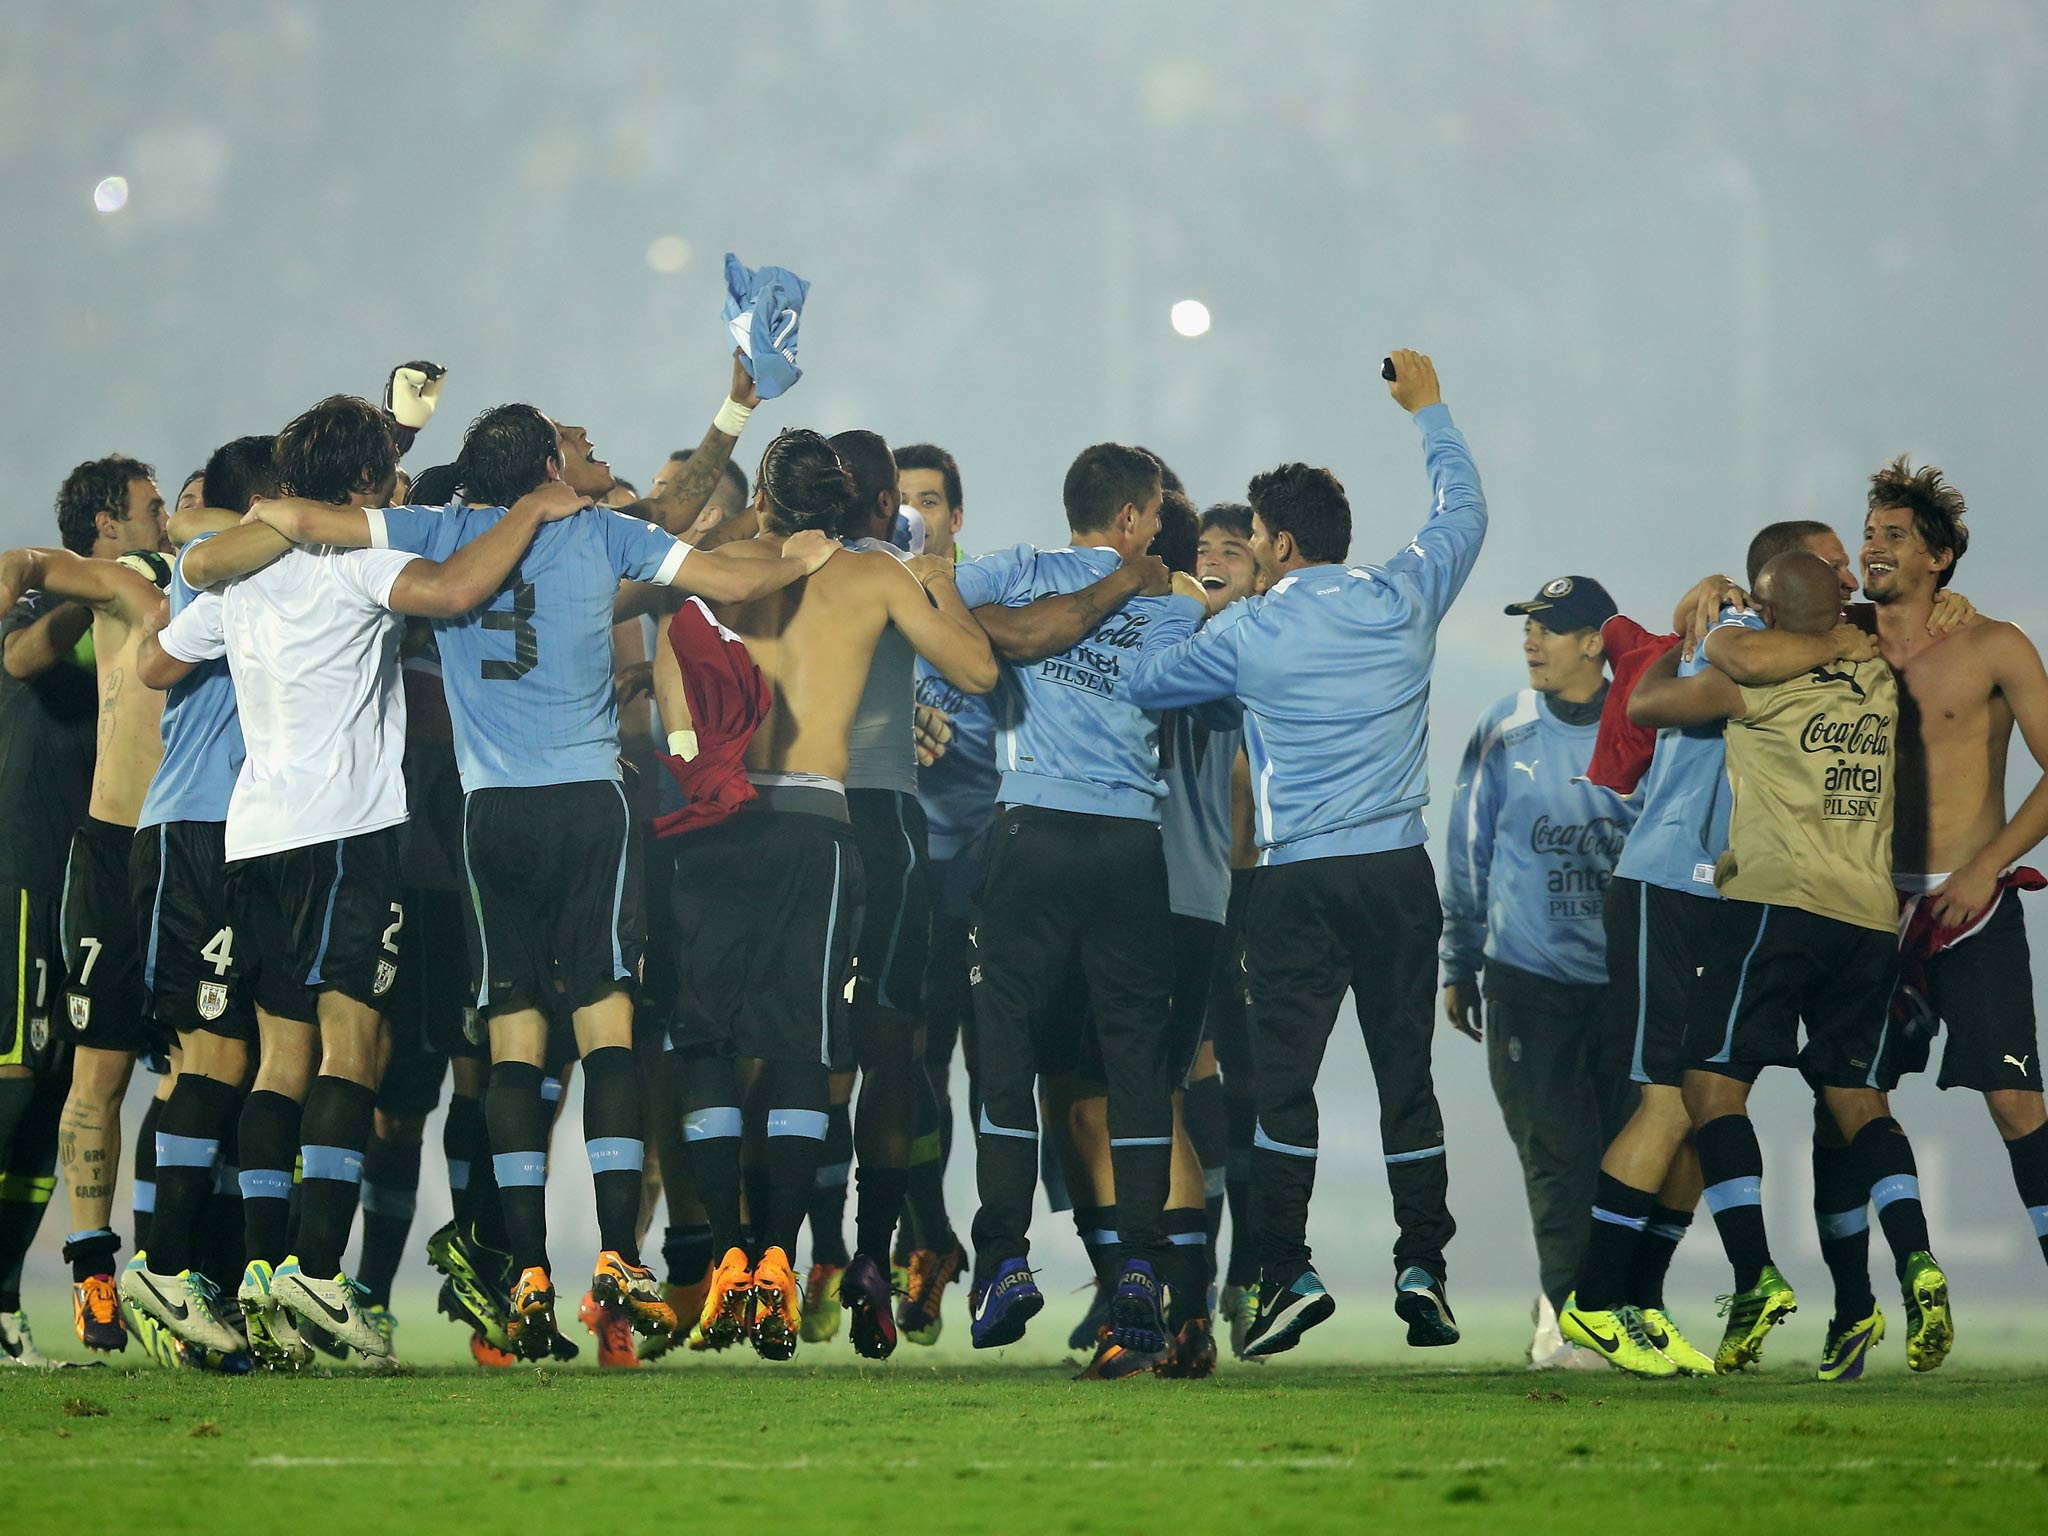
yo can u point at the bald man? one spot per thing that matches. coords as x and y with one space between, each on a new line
1806 935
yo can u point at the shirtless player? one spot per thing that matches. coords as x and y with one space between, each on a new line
111 517
769 901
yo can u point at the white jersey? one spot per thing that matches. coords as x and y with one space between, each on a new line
313 648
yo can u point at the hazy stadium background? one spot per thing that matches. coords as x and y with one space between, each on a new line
1685 269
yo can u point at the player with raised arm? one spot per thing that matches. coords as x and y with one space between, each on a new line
768 901
1333 665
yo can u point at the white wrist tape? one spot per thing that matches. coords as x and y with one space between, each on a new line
732 417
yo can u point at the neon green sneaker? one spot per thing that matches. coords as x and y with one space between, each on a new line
1930 1331
1616 1335
1674 1346
380 1318
822 1314
1752 1314
1849 1345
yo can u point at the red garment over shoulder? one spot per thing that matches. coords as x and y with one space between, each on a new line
1621 752
728 700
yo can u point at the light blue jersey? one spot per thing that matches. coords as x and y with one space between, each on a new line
202 733
1333 667
528 676
1532 846
1067 735
1685 797
1195 824
958 791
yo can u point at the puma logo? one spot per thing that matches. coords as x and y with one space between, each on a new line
1529 769
1830 675
2020 1061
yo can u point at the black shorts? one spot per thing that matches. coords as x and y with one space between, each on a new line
1766 969
32 961
549 875
323 918
1652 939
1983 989
1225 1026
103 998
1196 944
661 965
894 947
428 1004
767 904
178 879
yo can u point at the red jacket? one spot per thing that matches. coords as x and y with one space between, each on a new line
1621 752
728 700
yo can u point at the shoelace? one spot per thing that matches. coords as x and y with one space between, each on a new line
1635 1326
100 1302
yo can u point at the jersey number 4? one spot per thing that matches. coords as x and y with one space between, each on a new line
525 638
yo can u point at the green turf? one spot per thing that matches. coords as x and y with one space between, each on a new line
941 1440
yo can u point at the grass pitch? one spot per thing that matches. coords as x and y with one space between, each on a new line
940 1439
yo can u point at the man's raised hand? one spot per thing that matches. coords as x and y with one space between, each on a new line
412 392
1414 383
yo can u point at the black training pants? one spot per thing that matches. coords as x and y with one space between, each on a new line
1367 924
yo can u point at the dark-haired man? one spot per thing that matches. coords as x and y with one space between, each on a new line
1077 883
1805 934
1332 666
768 900
528 679
957 790
1533 845
1961 695
111 518
178 877
312 851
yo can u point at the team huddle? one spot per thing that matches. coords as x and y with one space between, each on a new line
750 803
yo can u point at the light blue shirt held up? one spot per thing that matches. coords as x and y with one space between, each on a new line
1333 668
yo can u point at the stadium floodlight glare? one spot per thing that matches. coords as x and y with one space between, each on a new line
1191 317
111 195
669 253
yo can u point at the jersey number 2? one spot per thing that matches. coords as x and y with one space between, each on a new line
525 638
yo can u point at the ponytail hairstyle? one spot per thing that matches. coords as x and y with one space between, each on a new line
804 483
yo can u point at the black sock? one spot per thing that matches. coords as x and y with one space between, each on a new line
222 1251
91 1253
1186 1266
1884 1164
1142 1159
466 1148
2029 1155
797 1129
1096 1227
711 1139
1654 1254
826 1207
142 1173
924 1196
611 1134
1841 1217
16 1095
1620 1213
391 1188
270 1151
686 1251
518 1118
1732 1165
28 1177
334 1133
882 1191
1243 1267
188 1136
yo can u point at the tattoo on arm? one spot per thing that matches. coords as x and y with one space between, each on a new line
676 508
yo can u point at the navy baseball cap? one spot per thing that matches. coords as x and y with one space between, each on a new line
1569 602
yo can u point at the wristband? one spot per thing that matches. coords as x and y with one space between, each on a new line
732 417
